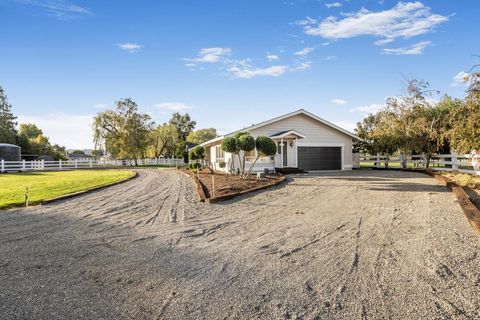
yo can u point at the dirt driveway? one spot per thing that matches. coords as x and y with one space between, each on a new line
349 245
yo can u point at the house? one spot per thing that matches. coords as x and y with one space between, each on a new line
304 141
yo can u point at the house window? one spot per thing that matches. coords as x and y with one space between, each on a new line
220 155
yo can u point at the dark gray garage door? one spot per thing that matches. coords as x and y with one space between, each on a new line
320 158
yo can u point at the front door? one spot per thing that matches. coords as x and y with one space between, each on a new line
285 160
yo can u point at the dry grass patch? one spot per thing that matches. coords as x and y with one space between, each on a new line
470 183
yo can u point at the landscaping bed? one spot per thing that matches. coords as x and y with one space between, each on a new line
219 186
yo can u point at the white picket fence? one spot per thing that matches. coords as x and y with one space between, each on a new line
469 163
42 165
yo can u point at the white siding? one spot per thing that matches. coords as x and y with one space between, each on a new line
316 134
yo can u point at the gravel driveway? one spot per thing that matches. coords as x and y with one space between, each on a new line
348 245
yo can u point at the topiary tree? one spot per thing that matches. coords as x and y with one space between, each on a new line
229 144
245 143
266 147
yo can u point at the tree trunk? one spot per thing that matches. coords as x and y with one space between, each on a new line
251 167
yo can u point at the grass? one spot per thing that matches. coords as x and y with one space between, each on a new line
47 185
463 179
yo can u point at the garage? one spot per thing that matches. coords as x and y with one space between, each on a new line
320 158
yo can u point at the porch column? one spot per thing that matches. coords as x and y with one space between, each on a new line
296 152
281 146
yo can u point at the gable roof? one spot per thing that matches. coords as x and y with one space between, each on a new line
286 133
285 116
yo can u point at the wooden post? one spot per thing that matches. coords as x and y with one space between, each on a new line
3 165
76 164
23 165
91 163
213 185
60 164
454 161
26 197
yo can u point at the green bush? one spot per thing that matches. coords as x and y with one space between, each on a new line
229 144
266 146
194 166
197 153
246 142
222 164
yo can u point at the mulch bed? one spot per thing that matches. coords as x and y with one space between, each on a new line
224 186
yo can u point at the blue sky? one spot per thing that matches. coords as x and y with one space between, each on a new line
228 63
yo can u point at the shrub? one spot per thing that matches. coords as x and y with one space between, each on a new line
197 153
229 144
194 166
222 164
246 142
265 146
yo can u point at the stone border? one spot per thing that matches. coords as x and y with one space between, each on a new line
236 194
468 207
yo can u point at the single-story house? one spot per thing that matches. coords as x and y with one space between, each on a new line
304 141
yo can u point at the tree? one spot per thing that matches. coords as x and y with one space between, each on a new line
97 153
164 140
229 144
183 124
202 135
197 153
465 131
266 147
78 152
124 131
8 122
245 143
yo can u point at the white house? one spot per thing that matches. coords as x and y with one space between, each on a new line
304 141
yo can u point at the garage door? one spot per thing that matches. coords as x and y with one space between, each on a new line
320 158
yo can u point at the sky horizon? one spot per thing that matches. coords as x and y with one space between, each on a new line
228 65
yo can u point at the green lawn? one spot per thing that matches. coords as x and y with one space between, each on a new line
47 185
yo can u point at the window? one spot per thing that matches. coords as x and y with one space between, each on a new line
220 155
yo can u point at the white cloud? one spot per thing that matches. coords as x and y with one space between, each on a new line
173 106
339 101
130 47
100 106
304 51
244 70
333 5
59 8
307 21
328 58
272 57
415 49
72 131
461 79
211 55
373 108
404 20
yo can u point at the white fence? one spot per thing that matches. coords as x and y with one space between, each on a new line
42 165
469 163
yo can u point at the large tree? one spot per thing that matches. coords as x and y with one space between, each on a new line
202 135
164 140
32 141
124 131
8 122
465 132
183 123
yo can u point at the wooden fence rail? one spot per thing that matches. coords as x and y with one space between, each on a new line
42 165
469 163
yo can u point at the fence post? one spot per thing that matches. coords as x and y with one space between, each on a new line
76 164
23 165
43 164
60 164
91 164
3 165
454 161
